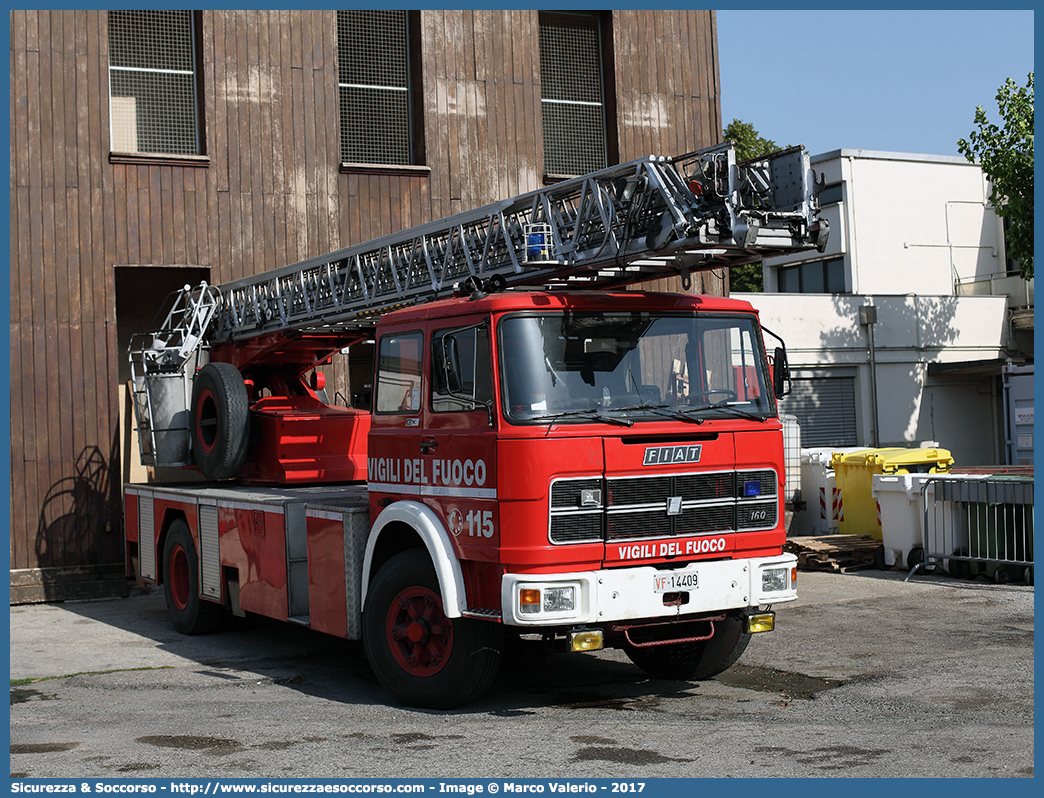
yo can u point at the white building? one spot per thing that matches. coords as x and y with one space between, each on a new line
899 333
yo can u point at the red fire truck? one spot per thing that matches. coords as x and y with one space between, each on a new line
545 453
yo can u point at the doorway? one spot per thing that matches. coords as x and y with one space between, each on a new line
143 296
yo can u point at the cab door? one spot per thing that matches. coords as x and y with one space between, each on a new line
459 436
394 443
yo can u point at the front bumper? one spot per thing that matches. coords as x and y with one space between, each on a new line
619 594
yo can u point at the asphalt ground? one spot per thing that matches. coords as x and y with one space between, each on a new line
865 676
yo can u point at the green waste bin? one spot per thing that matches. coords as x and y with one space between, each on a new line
859 513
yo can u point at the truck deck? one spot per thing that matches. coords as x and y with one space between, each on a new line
344 496
319 532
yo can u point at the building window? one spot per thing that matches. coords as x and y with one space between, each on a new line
154 100
817 277
377 88
572 93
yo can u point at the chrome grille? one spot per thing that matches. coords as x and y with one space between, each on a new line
625 526
648 490
766 480
571 521
698 487
565 494
576 528
636 508
756 515
704 520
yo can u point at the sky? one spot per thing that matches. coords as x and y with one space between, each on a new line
892 81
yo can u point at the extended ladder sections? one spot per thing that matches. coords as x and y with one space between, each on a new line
650 218
638 221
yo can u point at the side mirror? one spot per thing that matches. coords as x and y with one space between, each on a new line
780 373
450 366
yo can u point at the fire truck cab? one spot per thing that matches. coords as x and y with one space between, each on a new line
599 467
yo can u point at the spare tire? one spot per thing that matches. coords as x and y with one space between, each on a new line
220 420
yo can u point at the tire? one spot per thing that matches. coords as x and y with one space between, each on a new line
189 613
879 559
696 661
419 655
220 420
915 557
1027 575
961 569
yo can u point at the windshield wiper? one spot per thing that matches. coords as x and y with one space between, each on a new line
592 414
660 410
729 408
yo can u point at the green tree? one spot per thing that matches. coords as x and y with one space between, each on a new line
749 144
747 141
1006 156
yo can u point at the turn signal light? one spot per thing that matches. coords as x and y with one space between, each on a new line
529 600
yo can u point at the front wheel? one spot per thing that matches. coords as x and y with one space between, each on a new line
422 657
915 557
189 613
695 661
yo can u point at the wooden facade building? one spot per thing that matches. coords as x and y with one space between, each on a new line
106 217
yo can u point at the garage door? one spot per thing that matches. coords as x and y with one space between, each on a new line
826 410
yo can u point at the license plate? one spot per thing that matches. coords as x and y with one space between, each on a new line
680 580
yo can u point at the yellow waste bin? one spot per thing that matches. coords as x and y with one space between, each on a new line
859 514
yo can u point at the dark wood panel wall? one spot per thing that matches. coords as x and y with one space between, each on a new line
270 191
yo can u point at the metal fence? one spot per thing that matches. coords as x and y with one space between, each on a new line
976 525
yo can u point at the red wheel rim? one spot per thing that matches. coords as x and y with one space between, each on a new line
419 634
206 420
179 577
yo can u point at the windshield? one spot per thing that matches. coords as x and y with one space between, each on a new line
629 367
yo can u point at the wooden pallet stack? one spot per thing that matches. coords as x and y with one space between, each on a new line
836 553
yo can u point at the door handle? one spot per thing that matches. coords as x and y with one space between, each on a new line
428 445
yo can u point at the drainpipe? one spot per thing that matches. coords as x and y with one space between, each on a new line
868 318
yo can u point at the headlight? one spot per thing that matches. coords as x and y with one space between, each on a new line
547 599
775 579
559 599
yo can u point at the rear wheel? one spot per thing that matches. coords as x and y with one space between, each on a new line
879 559
962 569
422 657
190 614
694 661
